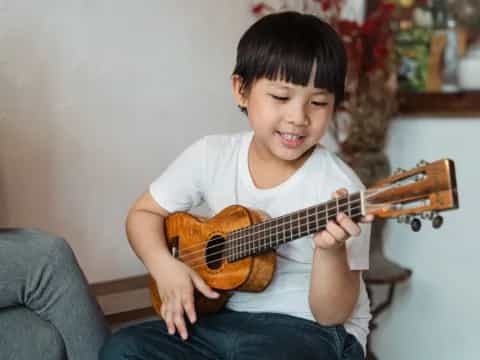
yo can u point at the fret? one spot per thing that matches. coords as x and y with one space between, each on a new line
238 245
262 237
257 241
308 222
336 203
235 245
331 214
302 216
356 208
344 205
248 240
246 236
299 224
252 240
259 233
275 234
268 234
291 227
311 221
242 244
243 241
272 231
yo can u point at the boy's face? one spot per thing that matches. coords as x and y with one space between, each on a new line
287 119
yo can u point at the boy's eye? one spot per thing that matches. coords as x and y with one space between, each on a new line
279 98
320 103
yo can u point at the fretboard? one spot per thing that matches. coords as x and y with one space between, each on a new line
272 233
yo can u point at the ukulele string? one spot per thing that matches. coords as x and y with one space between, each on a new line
200 246
235 235
256 246
240 247
244 246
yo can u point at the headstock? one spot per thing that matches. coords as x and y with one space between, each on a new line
422 191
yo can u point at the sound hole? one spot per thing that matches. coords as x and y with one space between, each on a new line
214 254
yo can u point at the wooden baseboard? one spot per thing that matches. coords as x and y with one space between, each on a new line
120 285
131 315
115 288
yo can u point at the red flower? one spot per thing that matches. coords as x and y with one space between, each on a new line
257 9
326 4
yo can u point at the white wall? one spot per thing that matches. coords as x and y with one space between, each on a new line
97 97
435 315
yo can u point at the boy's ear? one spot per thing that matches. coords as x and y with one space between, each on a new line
239 93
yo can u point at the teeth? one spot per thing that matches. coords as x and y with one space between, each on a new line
290 137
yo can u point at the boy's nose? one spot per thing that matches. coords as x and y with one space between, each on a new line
298 117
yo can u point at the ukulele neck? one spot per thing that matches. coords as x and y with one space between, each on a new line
272 233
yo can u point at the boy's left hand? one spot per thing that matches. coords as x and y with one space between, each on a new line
339 231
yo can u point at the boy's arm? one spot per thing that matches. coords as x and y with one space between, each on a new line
146 234
334 287
145 231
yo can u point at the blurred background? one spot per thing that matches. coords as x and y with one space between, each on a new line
97 97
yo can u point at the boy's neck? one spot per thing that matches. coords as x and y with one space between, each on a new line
267 171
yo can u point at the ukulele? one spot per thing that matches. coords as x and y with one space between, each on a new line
235 249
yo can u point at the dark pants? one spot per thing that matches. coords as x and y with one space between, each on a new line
233 335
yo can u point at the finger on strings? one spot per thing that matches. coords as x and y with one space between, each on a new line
336 230
324 238
340 193
348 225
367 218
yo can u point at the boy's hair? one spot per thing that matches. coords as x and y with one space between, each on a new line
286 45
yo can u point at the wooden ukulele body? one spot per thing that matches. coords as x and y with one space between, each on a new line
191 237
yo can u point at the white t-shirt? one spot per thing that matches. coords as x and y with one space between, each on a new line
215 170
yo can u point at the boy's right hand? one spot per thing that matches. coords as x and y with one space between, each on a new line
176 292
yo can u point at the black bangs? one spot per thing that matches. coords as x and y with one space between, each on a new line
288 46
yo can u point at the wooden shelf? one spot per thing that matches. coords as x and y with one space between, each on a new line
460 104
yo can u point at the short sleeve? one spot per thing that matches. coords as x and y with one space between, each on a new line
358 249
181 186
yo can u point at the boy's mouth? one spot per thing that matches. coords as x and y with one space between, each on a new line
291 140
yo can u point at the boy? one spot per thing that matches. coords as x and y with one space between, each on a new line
289 76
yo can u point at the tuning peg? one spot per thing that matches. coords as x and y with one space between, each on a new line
419 177
437 222
428 215
416 224
422 163
398 171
